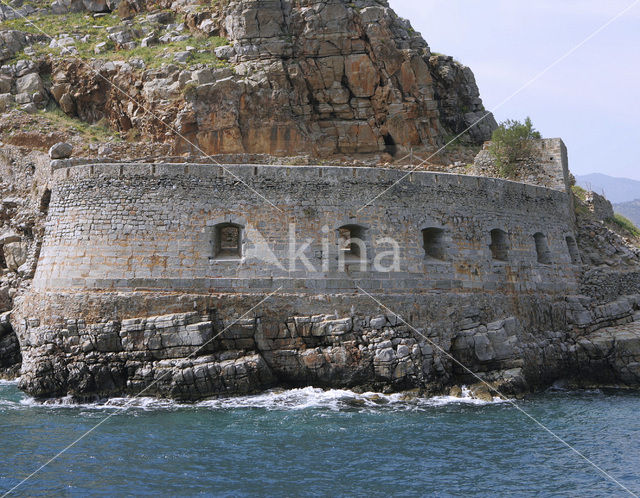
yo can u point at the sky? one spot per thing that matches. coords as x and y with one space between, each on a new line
591 99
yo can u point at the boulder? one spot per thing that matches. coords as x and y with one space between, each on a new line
105 150
120 36
96 5
225 52
203 76
162 18
29 83
58 90
5 84
182 57
11 43
6 99
15 254
61 150
65 6
67 104
30 108
24 98
209 26
150 40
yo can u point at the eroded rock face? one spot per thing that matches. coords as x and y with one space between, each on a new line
10 356
189 357
317 78
329 78
23 181
11 42
459 102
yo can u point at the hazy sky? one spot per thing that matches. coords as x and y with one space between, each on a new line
591 99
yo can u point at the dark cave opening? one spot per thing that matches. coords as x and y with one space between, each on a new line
390 146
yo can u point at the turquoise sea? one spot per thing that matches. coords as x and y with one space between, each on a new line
321 443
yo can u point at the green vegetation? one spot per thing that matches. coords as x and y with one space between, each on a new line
207 5
82 24
75 23
153 56
625 224
579 192
99 132
512 143
189 89
455 139
579 198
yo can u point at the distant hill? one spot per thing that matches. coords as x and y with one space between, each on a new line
617 190
629 209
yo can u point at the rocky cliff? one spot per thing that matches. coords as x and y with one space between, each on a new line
325 78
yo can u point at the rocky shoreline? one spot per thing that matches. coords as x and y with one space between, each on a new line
188 357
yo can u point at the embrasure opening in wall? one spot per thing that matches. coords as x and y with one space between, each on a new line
227 241
542 248
574 251
499 245
434 243
351 242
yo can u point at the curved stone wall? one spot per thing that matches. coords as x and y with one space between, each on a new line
155 276
128 227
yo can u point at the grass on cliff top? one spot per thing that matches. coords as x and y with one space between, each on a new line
625 224
579 199
579 192
152 56
54 120
79 23
82 24
99 132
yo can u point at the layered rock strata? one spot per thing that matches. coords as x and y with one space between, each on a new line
319 78
188 356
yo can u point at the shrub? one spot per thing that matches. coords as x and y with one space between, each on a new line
579 192
511 143
626 224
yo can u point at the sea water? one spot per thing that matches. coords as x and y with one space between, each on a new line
319 443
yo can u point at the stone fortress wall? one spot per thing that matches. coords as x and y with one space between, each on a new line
130 227
135 288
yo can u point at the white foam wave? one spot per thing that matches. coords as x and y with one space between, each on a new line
300 399
465 398
114 404
338 399
4 382
307 398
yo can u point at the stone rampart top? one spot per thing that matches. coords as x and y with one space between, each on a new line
70 169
